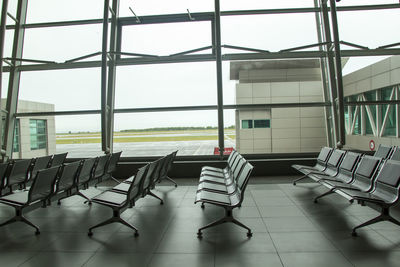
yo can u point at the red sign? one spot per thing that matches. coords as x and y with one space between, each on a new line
227 150
372 145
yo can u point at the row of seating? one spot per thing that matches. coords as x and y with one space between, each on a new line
225 188
125 194
358 177
59 181
19 172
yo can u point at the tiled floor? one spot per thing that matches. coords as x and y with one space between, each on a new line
289 230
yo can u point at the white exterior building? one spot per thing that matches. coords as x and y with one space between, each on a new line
33 136
279 130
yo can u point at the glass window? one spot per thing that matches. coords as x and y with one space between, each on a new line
38 134
370 96
247 124
262 124
166 85
166 38
159 133
390 129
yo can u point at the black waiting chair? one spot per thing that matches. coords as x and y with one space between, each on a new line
166 167
67 182
383 151
363 179
19 173
385 194
111 168
344 176
149 179
320 165
227 201
39 164
4 169
120 202
41 189
58 159
100 168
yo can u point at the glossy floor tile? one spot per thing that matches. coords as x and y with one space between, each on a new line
289 229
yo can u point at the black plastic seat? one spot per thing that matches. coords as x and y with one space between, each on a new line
40 163
344 176
120 202
58 159
41 189
320 165
332 167
166 167
384 194
112 166
67 181
383 151
229 163
227 201
100 169
19 173
363 179
4 169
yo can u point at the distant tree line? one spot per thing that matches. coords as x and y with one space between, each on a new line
175 129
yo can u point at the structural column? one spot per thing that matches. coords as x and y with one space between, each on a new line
114 35
15 75
220 102
339 79
2 37
325 83
330 66
104 109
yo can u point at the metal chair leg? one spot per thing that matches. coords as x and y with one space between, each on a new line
298 179
154 195
324 194
172 181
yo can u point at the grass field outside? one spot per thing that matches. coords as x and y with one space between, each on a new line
140 136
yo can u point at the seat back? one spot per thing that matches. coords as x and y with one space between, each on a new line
171 161
157 172
241 184
134 188
395 153
232 157
4 167
166 166
236 172
235 163
348 166
101 164
43 184
112 162
366 172
388 181
58 159
334 161
383 151
146 184
19 172
40 163
86 171
68 177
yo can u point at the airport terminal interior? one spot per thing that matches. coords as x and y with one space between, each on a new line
200 133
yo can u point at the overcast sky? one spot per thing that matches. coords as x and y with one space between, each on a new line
182 84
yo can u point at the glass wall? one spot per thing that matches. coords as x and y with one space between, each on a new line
38 134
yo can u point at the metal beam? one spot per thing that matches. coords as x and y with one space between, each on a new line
339 78
180 108
327 110
111 76
220 101
2 37
14 77
104 51
203 16
330 67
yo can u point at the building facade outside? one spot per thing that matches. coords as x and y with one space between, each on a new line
279 130
367 126
33 136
